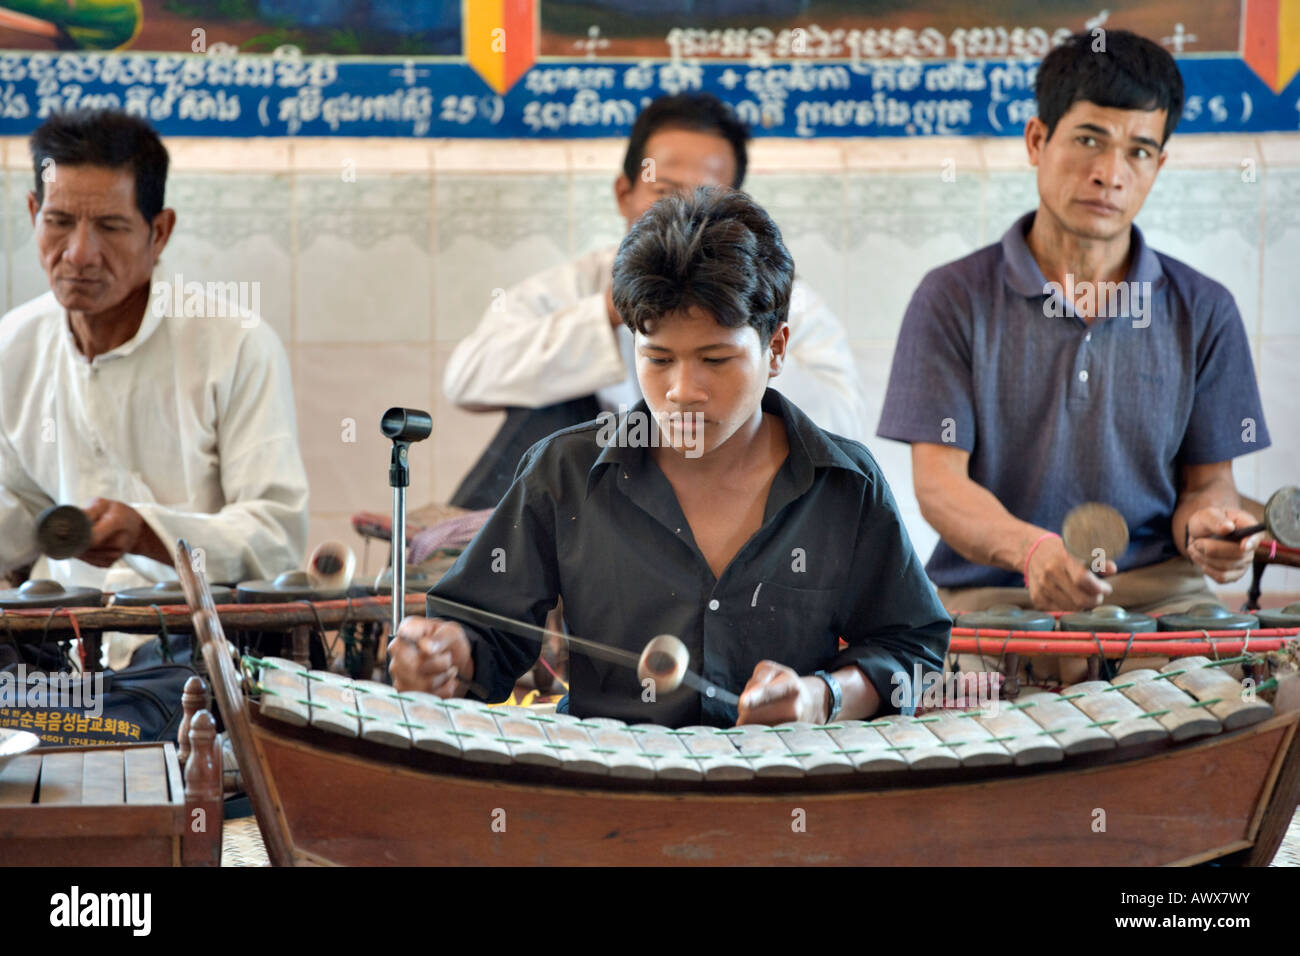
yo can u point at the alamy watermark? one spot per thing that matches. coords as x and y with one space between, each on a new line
640 429
79 692
1105 300
207 300
74 908
932 690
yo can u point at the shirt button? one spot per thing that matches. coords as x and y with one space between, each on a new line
714 605
1083 376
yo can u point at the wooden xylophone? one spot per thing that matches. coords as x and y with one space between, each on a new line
1187 746
148 804
1188 699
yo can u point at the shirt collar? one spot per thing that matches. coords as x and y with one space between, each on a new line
810 447
156 309
1024 276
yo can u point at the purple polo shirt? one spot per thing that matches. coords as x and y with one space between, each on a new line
1056 412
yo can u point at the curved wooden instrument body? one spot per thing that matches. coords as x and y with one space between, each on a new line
1174 767
361 775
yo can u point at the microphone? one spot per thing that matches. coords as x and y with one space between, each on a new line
403 426
406 424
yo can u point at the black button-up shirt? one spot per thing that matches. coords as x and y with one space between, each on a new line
602 528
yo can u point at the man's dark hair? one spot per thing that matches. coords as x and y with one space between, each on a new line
106 138
1130 73
698 112
718 250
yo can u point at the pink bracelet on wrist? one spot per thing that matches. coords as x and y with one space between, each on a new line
1037 541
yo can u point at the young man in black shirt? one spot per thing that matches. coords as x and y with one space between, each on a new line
714 510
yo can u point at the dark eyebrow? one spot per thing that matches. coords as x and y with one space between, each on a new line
1093 128
113 218
1142 140
703 348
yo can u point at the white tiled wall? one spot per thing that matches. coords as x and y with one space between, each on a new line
376 256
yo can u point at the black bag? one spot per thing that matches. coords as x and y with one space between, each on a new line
86 710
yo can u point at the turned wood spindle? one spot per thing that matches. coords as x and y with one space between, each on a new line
201 843
193 698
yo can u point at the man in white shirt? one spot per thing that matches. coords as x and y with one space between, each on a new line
555 345
164 412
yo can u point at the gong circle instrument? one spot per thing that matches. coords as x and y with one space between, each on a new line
1007 617
1108 618
1207 617
361 639
287 588
1010 618
417 581
40 593
1094 530
1288 616
165 594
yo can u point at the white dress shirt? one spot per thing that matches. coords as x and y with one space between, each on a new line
548 340
191 423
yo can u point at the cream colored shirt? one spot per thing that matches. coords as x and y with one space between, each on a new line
191 423
548 340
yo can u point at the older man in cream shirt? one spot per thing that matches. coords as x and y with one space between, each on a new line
161 425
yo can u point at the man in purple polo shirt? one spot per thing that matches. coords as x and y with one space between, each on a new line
1071 362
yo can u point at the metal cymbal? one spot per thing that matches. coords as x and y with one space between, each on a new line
63 531
1093 530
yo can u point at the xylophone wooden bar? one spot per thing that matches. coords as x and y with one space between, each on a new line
285 692
768 754
920 749
723 759
672 759
1068 725
431 727
972 743
103 778
866 747
1117 715
1176 710
528 742
576 741
815 748
480 737
333 704
620 748
1024 740
382 718
1206 683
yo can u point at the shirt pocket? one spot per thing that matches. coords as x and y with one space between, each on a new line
790 625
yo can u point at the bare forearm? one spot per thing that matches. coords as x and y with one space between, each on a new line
861 701
151 546
974 523
1218 492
